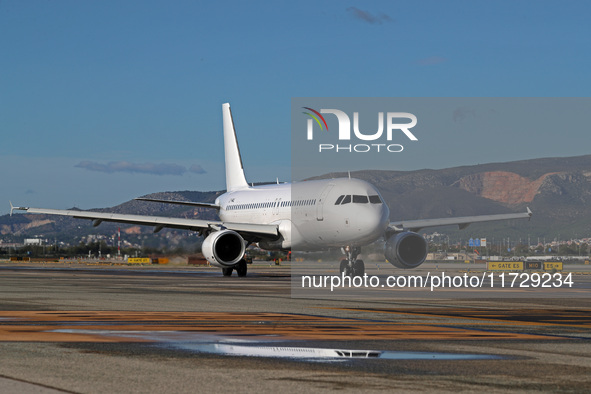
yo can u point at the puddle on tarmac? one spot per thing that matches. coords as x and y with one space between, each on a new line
263 347
307 353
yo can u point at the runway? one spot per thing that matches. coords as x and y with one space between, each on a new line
79 328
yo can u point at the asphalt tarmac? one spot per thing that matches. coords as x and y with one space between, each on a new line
100 328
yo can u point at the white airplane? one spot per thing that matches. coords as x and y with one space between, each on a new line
311 215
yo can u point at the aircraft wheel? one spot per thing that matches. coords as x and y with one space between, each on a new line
227 271
344 264
359 268
241 268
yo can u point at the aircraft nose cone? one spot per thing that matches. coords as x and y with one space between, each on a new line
384 215
374 219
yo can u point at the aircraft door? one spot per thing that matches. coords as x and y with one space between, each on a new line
320 202
276 206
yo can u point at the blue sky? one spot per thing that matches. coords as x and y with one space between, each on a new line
104 101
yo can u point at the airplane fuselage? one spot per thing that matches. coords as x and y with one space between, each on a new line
311 215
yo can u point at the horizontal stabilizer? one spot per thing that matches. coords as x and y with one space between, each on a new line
189 203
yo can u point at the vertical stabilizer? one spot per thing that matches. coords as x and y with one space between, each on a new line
234 171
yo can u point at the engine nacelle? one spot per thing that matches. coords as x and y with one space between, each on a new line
284 241
223 248
406 250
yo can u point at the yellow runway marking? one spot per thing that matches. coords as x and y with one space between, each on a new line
528 317
38 326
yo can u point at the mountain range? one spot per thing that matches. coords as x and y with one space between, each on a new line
557 190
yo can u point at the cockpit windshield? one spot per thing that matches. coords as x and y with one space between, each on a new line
375 199
358 199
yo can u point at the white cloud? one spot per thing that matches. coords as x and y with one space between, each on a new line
142 168
367 17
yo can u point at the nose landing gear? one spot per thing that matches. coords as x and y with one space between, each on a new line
350 265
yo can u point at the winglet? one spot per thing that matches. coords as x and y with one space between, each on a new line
12 208
530 213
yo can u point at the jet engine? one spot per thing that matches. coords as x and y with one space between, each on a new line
406 250
223 248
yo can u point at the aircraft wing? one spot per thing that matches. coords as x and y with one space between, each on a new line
462 222
159 222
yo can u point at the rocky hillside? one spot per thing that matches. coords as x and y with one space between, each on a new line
558 191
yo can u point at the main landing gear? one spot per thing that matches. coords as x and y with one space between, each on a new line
350 265
241 269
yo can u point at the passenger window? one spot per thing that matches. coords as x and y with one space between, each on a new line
346 200
357 199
